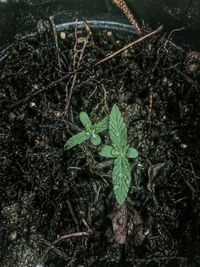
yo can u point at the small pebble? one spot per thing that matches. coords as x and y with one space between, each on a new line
170 84
183 146
109 34
58 114
32 104
165 81
192 67
13 236
35 87
63 35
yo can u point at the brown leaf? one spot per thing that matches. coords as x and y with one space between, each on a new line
135 216
135 227
152 173
119 224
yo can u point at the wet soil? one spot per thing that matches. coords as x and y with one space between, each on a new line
46 80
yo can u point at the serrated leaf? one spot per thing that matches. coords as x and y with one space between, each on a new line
121 177
106 152
85 119
117 129
76 140
102 125
132 153
96 140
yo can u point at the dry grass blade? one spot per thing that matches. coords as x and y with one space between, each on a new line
123 6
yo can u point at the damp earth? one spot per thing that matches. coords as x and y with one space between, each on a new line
57 206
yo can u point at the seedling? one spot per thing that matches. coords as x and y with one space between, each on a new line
91 132
119 150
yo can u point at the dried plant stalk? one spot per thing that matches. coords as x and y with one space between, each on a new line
123 6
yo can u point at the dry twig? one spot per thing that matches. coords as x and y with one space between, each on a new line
109 56
78 234
56 40
76 65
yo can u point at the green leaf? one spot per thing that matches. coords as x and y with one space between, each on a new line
117 129
106 152
132 153
121 177
96 140
102 125
76 140
115 153
85 119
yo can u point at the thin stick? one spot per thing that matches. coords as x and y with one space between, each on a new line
56 40
2 58
72 212
123 6
25 99
109 56
186 77
70 235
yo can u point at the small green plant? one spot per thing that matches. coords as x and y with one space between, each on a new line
119 150
91 132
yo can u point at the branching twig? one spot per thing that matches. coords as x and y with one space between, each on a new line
109 56
76 52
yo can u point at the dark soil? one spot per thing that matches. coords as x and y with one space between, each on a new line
46 192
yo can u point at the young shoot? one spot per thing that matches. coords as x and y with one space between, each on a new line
119 149
91 132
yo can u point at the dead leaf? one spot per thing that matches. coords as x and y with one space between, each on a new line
136 230
135 216
152 173
119 224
